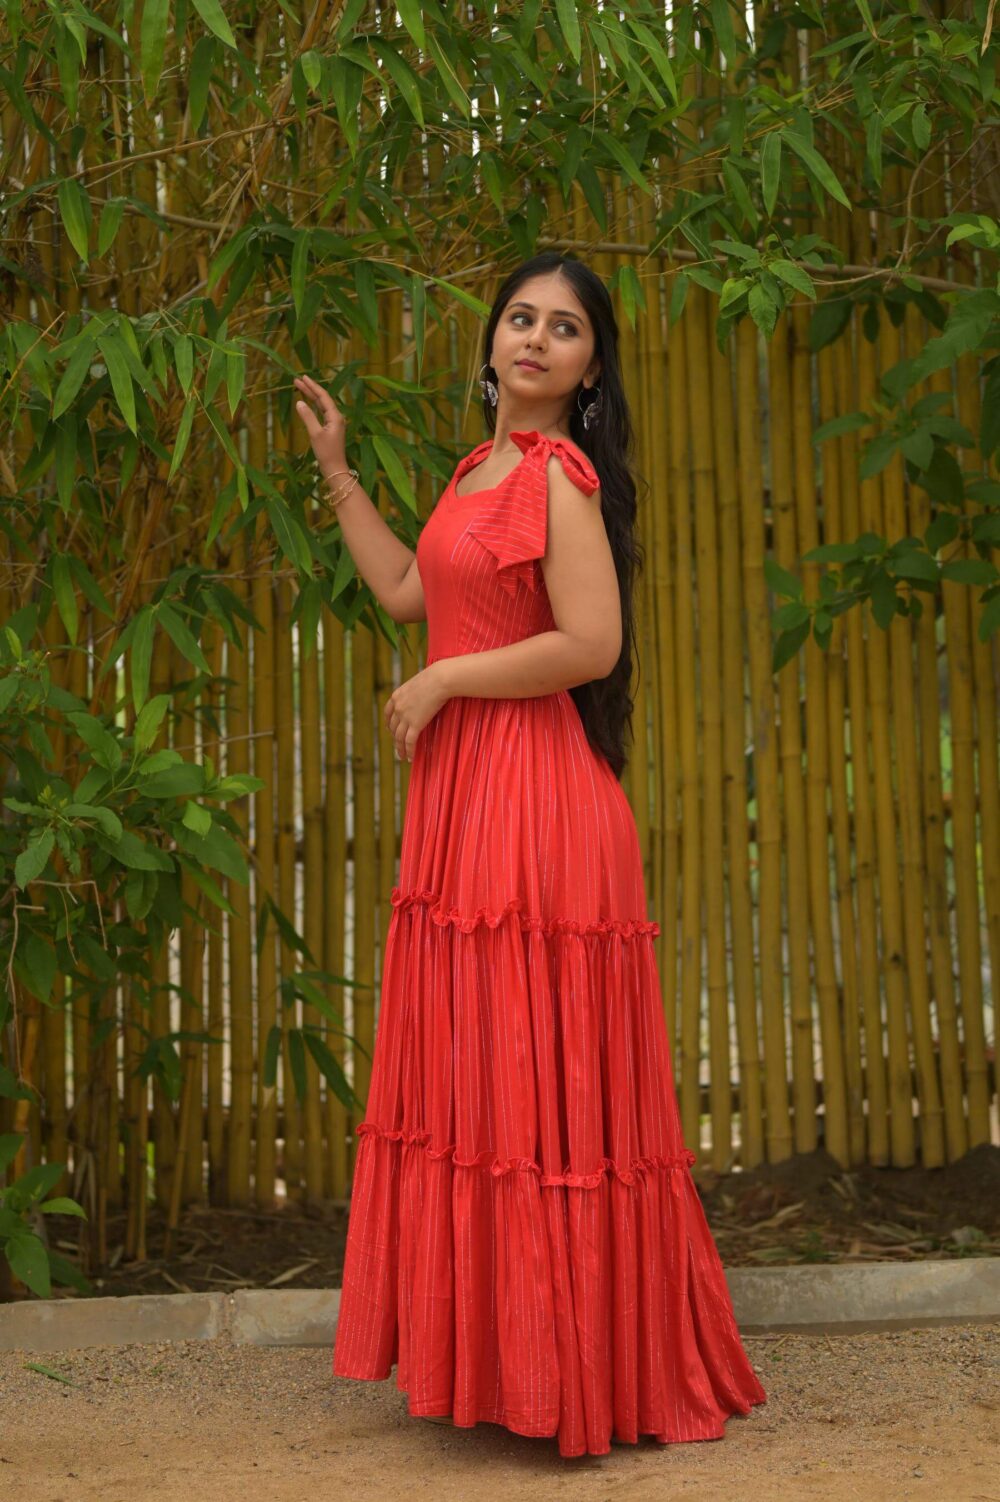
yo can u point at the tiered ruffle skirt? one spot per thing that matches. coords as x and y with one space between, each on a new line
526 1243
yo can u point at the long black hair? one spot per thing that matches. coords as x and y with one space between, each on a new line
605 704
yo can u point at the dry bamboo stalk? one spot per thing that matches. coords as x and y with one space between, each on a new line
914 873
335 891
830 359
687 1072
836 1129
707 421
135 1088
901 1129
961 623
312 893
767 796
656 582
190 945
362 759
53 1015
215 1001
238 997
286 786
265 1120
869 972
786 550
735 849
638 752
384 683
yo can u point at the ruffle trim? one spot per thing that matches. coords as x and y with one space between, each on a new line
626 928
638 1166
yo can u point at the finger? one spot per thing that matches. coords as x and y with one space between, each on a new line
308 416
322 396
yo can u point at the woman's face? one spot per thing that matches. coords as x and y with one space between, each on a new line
544 322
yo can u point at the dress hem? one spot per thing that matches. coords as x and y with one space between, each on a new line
488 1158
627 928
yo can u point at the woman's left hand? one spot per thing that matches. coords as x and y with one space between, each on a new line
411 706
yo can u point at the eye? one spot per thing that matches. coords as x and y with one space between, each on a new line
562 325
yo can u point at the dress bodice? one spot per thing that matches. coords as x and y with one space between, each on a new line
479 554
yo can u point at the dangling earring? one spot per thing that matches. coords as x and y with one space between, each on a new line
592 411
490 392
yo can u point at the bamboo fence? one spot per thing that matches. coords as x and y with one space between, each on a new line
821 845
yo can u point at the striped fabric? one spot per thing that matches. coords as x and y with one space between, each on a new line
526 1243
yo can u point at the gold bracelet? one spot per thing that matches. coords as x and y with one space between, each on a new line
338 497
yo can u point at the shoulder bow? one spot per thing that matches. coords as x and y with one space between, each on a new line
514 524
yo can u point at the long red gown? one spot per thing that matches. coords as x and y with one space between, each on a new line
526 1243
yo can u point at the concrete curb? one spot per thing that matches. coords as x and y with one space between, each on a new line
855 1297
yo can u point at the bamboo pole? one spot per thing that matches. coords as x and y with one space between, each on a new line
836 1130
239 995
914 871
901 1129
688 1072
706 420
735 793
767 796
786 551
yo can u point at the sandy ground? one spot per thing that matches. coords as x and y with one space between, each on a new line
875 1416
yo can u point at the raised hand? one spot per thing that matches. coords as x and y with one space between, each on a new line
328 432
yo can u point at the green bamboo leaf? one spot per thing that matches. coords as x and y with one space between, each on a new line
625 161
235 377
73 377
393 467
184 361
291 540
109 224
152 41
816 165
311 63
465 298
140 660
450 79
121 377
722 25
409 14
183 434
654 51
569 25
66 454
214 17
300 264
269 1072
770 170
181 636
75 213
297 1060
65 593
401 74
330 1069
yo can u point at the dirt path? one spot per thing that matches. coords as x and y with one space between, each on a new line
893 1417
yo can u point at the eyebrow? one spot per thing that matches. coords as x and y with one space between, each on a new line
520 303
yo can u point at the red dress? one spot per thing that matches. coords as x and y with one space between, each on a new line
526 1243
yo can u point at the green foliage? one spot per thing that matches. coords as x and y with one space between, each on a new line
118 411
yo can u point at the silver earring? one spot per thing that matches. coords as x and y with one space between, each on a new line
490 392
592 411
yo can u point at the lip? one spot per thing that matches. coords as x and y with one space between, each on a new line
529 365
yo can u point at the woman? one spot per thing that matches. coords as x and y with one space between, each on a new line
526 1243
